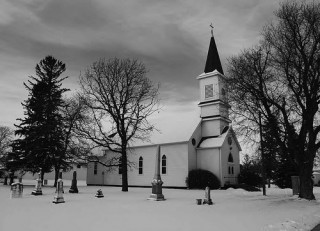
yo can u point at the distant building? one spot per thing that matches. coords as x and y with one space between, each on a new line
80 167
212 146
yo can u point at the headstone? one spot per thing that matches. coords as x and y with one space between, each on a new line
16 190
59 193
74 188
207 197
199 201
156 183
37 191
295 180
60 177
99 194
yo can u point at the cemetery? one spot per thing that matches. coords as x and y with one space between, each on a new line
88 210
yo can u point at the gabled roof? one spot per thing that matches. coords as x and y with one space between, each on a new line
213 60
217 141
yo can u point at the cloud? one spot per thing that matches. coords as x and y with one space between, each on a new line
170 36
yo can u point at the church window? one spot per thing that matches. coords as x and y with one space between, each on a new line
232 170
120 165
95 168
229 170
193 141
208 91
140 165
164 164
230 158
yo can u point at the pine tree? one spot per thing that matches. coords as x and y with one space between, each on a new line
41 133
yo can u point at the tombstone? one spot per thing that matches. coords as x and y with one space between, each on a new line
99 194
59 192
60 177
207 197
37 191
295 180
74 188
16 190
156 194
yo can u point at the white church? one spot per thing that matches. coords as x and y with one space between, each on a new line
212 146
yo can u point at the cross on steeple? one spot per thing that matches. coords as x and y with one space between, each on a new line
211 29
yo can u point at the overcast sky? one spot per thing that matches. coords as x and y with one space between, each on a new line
171 37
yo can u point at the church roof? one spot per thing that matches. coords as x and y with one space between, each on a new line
217 141
213 60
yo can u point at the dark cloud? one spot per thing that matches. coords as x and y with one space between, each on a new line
170 36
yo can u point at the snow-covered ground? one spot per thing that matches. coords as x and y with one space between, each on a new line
233 209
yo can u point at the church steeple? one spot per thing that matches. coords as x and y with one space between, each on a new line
213 60
213 104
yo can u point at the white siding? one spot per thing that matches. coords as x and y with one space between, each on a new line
208 159
177 167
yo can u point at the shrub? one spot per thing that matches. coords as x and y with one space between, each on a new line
200 179
250 178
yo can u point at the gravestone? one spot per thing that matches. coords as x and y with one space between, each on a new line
74 188
99 194
59 193
156 183
16 190
207 197
37 191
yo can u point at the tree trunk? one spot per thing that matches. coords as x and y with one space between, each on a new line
306 183
41 177
124 171
56 176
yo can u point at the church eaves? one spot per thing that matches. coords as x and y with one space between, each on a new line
213 60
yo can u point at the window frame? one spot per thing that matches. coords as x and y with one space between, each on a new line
208 91
140 169
164 165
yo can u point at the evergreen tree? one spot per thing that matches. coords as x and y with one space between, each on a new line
41 133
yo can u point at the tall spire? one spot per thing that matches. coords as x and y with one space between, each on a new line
213 60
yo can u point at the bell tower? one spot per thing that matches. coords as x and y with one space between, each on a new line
213 95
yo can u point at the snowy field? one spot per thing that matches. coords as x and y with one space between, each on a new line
233 210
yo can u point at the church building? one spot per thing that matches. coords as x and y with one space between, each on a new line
212 146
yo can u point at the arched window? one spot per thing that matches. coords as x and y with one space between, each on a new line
164 164
230 158
232 170
140 165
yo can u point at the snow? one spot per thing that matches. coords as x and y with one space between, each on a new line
233 209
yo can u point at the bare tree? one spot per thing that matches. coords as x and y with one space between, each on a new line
6 136
281 79
119 99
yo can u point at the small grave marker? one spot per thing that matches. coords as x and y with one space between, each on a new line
99 194
207 199
59 192
74 188
16 190
37 191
